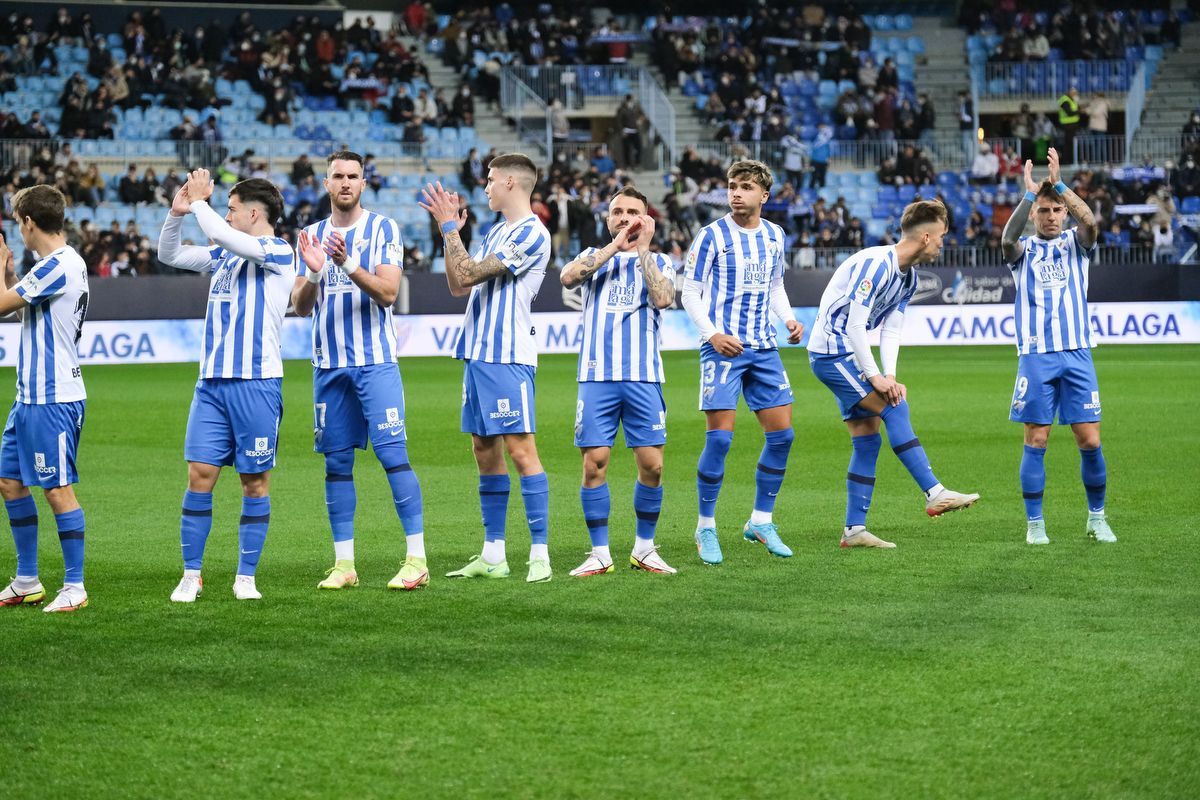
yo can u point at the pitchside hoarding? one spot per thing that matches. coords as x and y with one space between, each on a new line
167 341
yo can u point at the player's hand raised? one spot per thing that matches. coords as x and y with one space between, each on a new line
311 251
1030 183
627 234
726 345
441 205
199 185
335 248
6 256
181 203
1052 161
645 231
795 331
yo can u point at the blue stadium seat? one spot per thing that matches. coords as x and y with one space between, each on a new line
906 193
903 22
1190 205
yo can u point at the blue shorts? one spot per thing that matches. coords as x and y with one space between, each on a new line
758 375
40 443
497 399
352 405
1061 384
843 377
235 421
603 405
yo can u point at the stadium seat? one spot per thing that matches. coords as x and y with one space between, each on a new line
1190 205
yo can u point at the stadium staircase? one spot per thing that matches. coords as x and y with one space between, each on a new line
1174 92
689 126
944 72
491 129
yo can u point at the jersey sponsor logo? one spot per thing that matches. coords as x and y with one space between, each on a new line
620 295
756 274
661 425
512 252
1094 405
39 465
504 410
222 285
262 449
864 289
336 280
1051 269
394 423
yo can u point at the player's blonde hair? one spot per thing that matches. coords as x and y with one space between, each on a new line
922 212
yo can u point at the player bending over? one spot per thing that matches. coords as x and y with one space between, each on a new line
620 375
872 289
238 401
1055 373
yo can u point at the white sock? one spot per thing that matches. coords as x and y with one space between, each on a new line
934 491
1091 514
344 550
759 517
642 546
23 581
78 586
541 552
493 552
415 545
706 522
603 553
191 573
853 529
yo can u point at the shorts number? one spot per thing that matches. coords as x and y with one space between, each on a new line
710 371
1022 386
319 409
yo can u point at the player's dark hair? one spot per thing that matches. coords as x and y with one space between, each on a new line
344 155
755 171
42 204
517 162
629 191
263 192
1047 190
922 212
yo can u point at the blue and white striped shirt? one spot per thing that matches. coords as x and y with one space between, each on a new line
498 326
48 363
1051 311
349 329
737 267
620 322
870 278
246 304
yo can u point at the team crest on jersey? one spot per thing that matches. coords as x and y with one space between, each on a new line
864 289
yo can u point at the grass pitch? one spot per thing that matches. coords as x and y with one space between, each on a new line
962 664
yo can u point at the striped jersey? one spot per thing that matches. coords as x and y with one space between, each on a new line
48 363
620 321
870 278
246 304
737 267
498 327
1051 311
349 329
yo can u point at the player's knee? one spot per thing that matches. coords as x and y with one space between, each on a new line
1037 436
12 489
256 485
393 454
62 499
718 442
595 467
202 477
781 439
340 462
650 474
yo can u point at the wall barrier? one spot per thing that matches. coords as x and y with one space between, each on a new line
178 341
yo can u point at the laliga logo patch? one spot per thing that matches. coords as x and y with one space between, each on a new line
39 465
394 424
864 289
504 410
261 450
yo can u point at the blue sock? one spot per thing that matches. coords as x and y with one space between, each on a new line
535 491
70 537
194 525
1095 477
252 532
1033 480
647 503
596 504
493 502
340 498
406 490
860 479
710 472
22 516
772 463
906 446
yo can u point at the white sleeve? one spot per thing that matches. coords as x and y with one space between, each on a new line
889 341
780 305
171 252
856 332
697 309
240 244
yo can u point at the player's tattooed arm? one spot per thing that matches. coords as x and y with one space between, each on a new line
1010 239
1088 231
585 266
462 271
660 287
